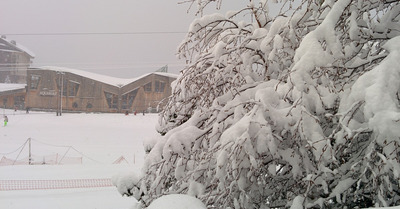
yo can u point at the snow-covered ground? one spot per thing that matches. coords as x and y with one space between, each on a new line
99 139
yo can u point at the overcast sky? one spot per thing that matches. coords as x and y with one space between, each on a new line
154 29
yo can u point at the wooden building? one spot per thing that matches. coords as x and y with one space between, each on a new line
12 95
63 89
15 59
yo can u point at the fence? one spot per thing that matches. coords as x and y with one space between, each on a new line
10 185
42 160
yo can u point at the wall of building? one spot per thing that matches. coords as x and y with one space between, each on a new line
13 99
82 94
147 99
14 63
46 93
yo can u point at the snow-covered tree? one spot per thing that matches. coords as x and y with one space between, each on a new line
301 109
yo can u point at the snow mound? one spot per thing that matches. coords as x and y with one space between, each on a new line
177 201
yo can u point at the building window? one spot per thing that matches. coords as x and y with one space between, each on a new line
64 88
128 98
159 86
19 101
147 87
112 100
73 88
34 81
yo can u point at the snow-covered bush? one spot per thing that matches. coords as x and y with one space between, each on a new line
177 201
296 110
127 185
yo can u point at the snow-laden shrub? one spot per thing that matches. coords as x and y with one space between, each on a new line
127 185
300 109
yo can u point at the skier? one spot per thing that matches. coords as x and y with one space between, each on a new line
5 120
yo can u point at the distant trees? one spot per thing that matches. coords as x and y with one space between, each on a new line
296 110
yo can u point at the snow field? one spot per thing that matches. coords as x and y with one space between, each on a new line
99 139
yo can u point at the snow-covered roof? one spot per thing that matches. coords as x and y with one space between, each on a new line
119 82
11 86
171 75
18 46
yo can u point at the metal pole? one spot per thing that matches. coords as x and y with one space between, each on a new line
30 153
62 91
59 93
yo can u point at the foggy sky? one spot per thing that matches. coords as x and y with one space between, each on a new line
118 55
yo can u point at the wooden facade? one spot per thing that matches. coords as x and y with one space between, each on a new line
67 91
14 97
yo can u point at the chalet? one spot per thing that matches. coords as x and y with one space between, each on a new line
15 59
12 95
64 89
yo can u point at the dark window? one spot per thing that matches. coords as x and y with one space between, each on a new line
112 100
147 87
34 81
159 86
19 101
73 88
128 98
70 87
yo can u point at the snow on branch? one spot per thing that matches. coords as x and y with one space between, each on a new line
297 110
